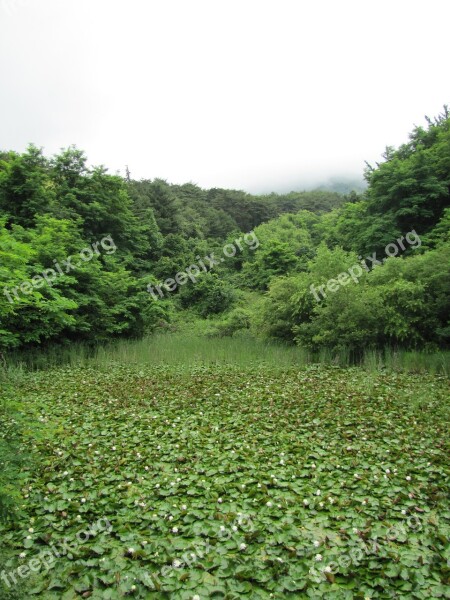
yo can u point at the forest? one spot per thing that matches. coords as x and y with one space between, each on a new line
80 252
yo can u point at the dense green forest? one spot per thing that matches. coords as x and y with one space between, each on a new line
88 256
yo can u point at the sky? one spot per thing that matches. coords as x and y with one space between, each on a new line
259 95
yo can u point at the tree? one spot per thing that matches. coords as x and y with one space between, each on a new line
26 189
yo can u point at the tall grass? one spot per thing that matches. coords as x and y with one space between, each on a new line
408 361
189 349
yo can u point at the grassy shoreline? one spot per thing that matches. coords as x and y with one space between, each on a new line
196 348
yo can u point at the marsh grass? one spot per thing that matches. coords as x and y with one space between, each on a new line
407 361
189 349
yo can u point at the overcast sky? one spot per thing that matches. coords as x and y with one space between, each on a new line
252 94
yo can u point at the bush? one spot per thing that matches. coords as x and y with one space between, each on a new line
401 303
238 320
208 296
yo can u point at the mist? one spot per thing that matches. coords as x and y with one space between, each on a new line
258 96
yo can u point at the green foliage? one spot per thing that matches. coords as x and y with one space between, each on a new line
26 188
15 456
53 208
411 189
238 320
285 246
101 295
278 311
158 196
401 303
36 316
10 460
209 296
440 234
257 472
276 259
213 214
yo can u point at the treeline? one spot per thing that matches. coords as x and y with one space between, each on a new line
192 212
55 208
79 249
372 273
